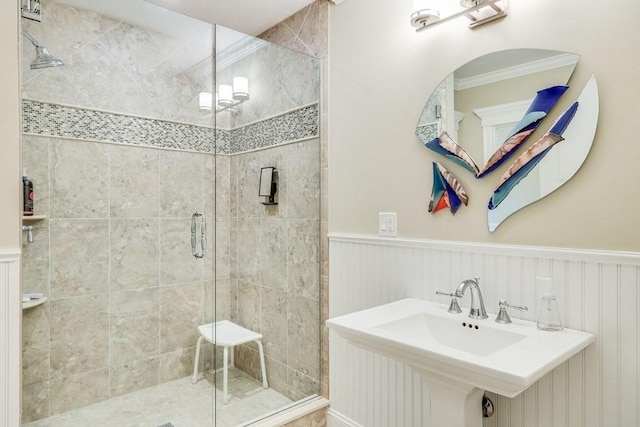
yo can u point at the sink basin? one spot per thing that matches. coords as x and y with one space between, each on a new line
460 357
425 329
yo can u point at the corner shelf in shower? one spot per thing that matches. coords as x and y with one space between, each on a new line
33 218
33 303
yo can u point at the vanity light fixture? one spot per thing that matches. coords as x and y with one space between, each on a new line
427 13
228 96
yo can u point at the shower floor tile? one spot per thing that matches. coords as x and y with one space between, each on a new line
177 402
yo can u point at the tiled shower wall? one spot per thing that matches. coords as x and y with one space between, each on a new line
275 263
114 66
275 251
308 32
111 254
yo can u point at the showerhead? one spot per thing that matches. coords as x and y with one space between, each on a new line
43 58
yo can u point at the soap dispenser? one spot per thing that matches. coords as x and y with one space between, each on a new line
549 313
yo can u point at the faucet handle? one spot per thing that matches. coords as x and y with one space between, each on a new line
454 307
503 316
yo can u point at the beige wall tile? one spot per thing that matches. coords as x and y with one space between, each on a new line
248 360
249 306
248 250
134 325
35 160
273 252
133 182
134 253
35 401
177 364
273 323
222 175
222 300
303 180
222 247
311 33
35 345
180 183
180 315
303 264
303 384
304 343
177 264
79 390
248 179
79 335
134 375
35 260
277 376
79 179
79 257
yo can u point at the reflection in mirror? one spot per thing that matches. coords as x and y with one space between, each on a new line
481 103
555 165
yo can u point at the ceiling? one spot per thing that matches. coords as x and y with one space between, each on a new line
248 16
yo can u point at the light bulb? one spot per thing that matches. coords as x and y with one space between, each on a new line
240 88
205 100
225 94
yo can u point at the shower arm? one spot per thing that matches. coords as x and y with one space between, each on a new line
31 38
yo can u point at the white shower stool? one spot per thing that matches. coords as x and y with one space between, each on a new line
228 334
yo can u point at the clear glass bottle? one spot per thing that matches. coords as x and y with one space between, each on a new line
549 314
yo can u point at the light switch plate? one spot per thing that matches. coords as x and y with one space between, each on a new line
387 224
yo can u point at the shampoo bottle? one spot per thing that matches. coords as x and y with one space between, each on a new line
27 188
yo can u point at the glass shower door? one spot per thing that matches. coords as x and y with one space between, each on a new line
267 232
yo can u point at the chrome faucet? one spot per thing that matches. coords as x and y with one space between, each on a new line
477 310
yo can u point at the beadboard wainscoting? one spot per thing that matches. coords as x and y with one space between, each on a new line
10 316
597 292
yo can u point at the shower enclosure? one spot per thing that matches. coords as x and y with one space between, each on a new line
148 221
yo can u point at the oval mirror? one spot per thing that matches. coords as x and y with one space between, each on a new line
483 106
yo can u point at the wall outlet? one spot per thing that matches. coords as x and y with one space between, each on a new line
387 224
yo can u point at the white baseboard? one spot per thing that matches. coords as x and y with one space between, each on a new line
335 419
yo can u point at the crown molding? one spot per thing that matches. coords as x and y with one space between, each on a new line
532 67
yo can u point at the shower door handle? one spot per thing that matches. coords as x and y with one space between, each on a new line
203 235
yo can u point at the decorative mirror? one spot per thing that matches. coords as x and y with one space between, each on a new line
499 115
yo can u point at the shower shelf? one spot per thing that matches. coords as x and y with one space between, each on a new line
33 303
33 218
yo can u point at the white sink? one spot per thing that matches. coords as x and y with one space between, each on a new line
462 355
425 329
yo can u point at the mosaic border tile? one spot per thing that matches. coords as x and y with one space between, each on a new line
42 118
291 126
68 122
